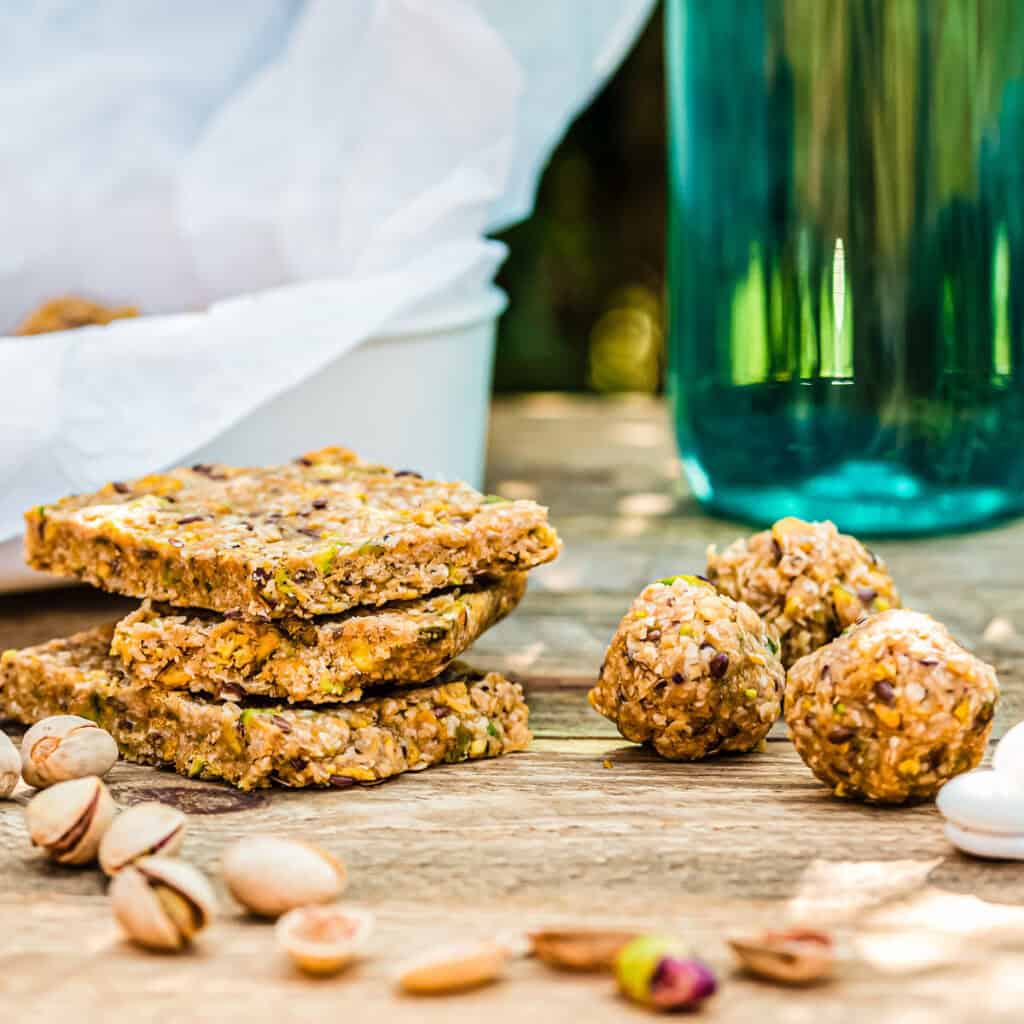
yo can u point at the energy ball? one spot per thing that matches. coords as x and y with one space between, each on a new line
892 709
807 580
690 672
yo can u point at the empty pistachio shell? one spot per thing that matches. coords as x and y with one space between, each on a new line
270 875
141 831
453 968
1008 760
795 955
323 940
161 903
986 844
580 949
65 747
10 766
68 820
983 801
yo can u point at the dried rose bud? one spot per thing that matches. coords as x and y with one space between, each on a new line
657 971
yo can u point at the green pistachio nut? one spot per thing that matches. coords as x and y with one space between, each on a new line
283 581
463 740
658 971
638 960
324 560
694 581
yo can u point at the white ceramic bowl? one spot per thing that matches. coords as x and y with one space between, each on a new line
414 398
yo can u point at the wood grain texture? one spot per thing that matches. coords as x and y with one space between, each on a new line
582 828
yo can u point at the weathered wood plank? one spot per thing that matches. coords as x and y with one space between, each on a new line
551 835
539 828
548 836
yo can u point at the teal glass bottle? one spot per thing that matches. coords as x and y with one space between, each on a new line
846 258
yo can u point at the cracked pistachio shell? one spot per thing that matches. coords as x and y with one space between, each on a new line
270 875
580 949
453 968
161 903
10 766
323 940
68 820
65 747
142 831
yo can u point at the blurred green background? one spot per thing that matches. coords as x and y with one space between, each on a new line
585 274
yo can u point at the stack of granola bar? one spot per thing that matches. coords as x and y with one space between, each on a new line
298 625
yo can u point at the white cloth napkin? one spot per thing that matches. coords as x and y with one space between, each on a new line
277 179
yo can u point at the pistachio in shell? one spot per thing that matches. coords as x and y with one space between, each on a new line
65 747
161 903
10 766
322 940
68 820
147 829
270 875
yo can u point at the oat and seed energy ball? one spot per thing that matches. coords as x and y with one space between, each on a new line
892 709
807 580
690 672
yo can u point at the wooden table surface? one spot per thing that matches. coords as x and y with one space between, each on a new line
584 828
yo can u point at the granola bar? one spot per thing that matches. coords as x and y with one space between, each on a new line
318 660
463 715
321 535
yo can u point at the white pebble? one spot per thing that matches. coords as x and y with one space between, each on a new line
984 801
984 844
1008 759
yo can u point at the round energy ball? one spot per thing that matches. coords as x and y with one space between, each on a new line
690 672
892 709
807 580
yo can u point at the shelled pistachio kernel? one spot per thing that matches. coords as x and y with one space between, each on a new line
658 971
65 747
323 939
161 903
270 875
141 831
68 820
453 968
10 766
